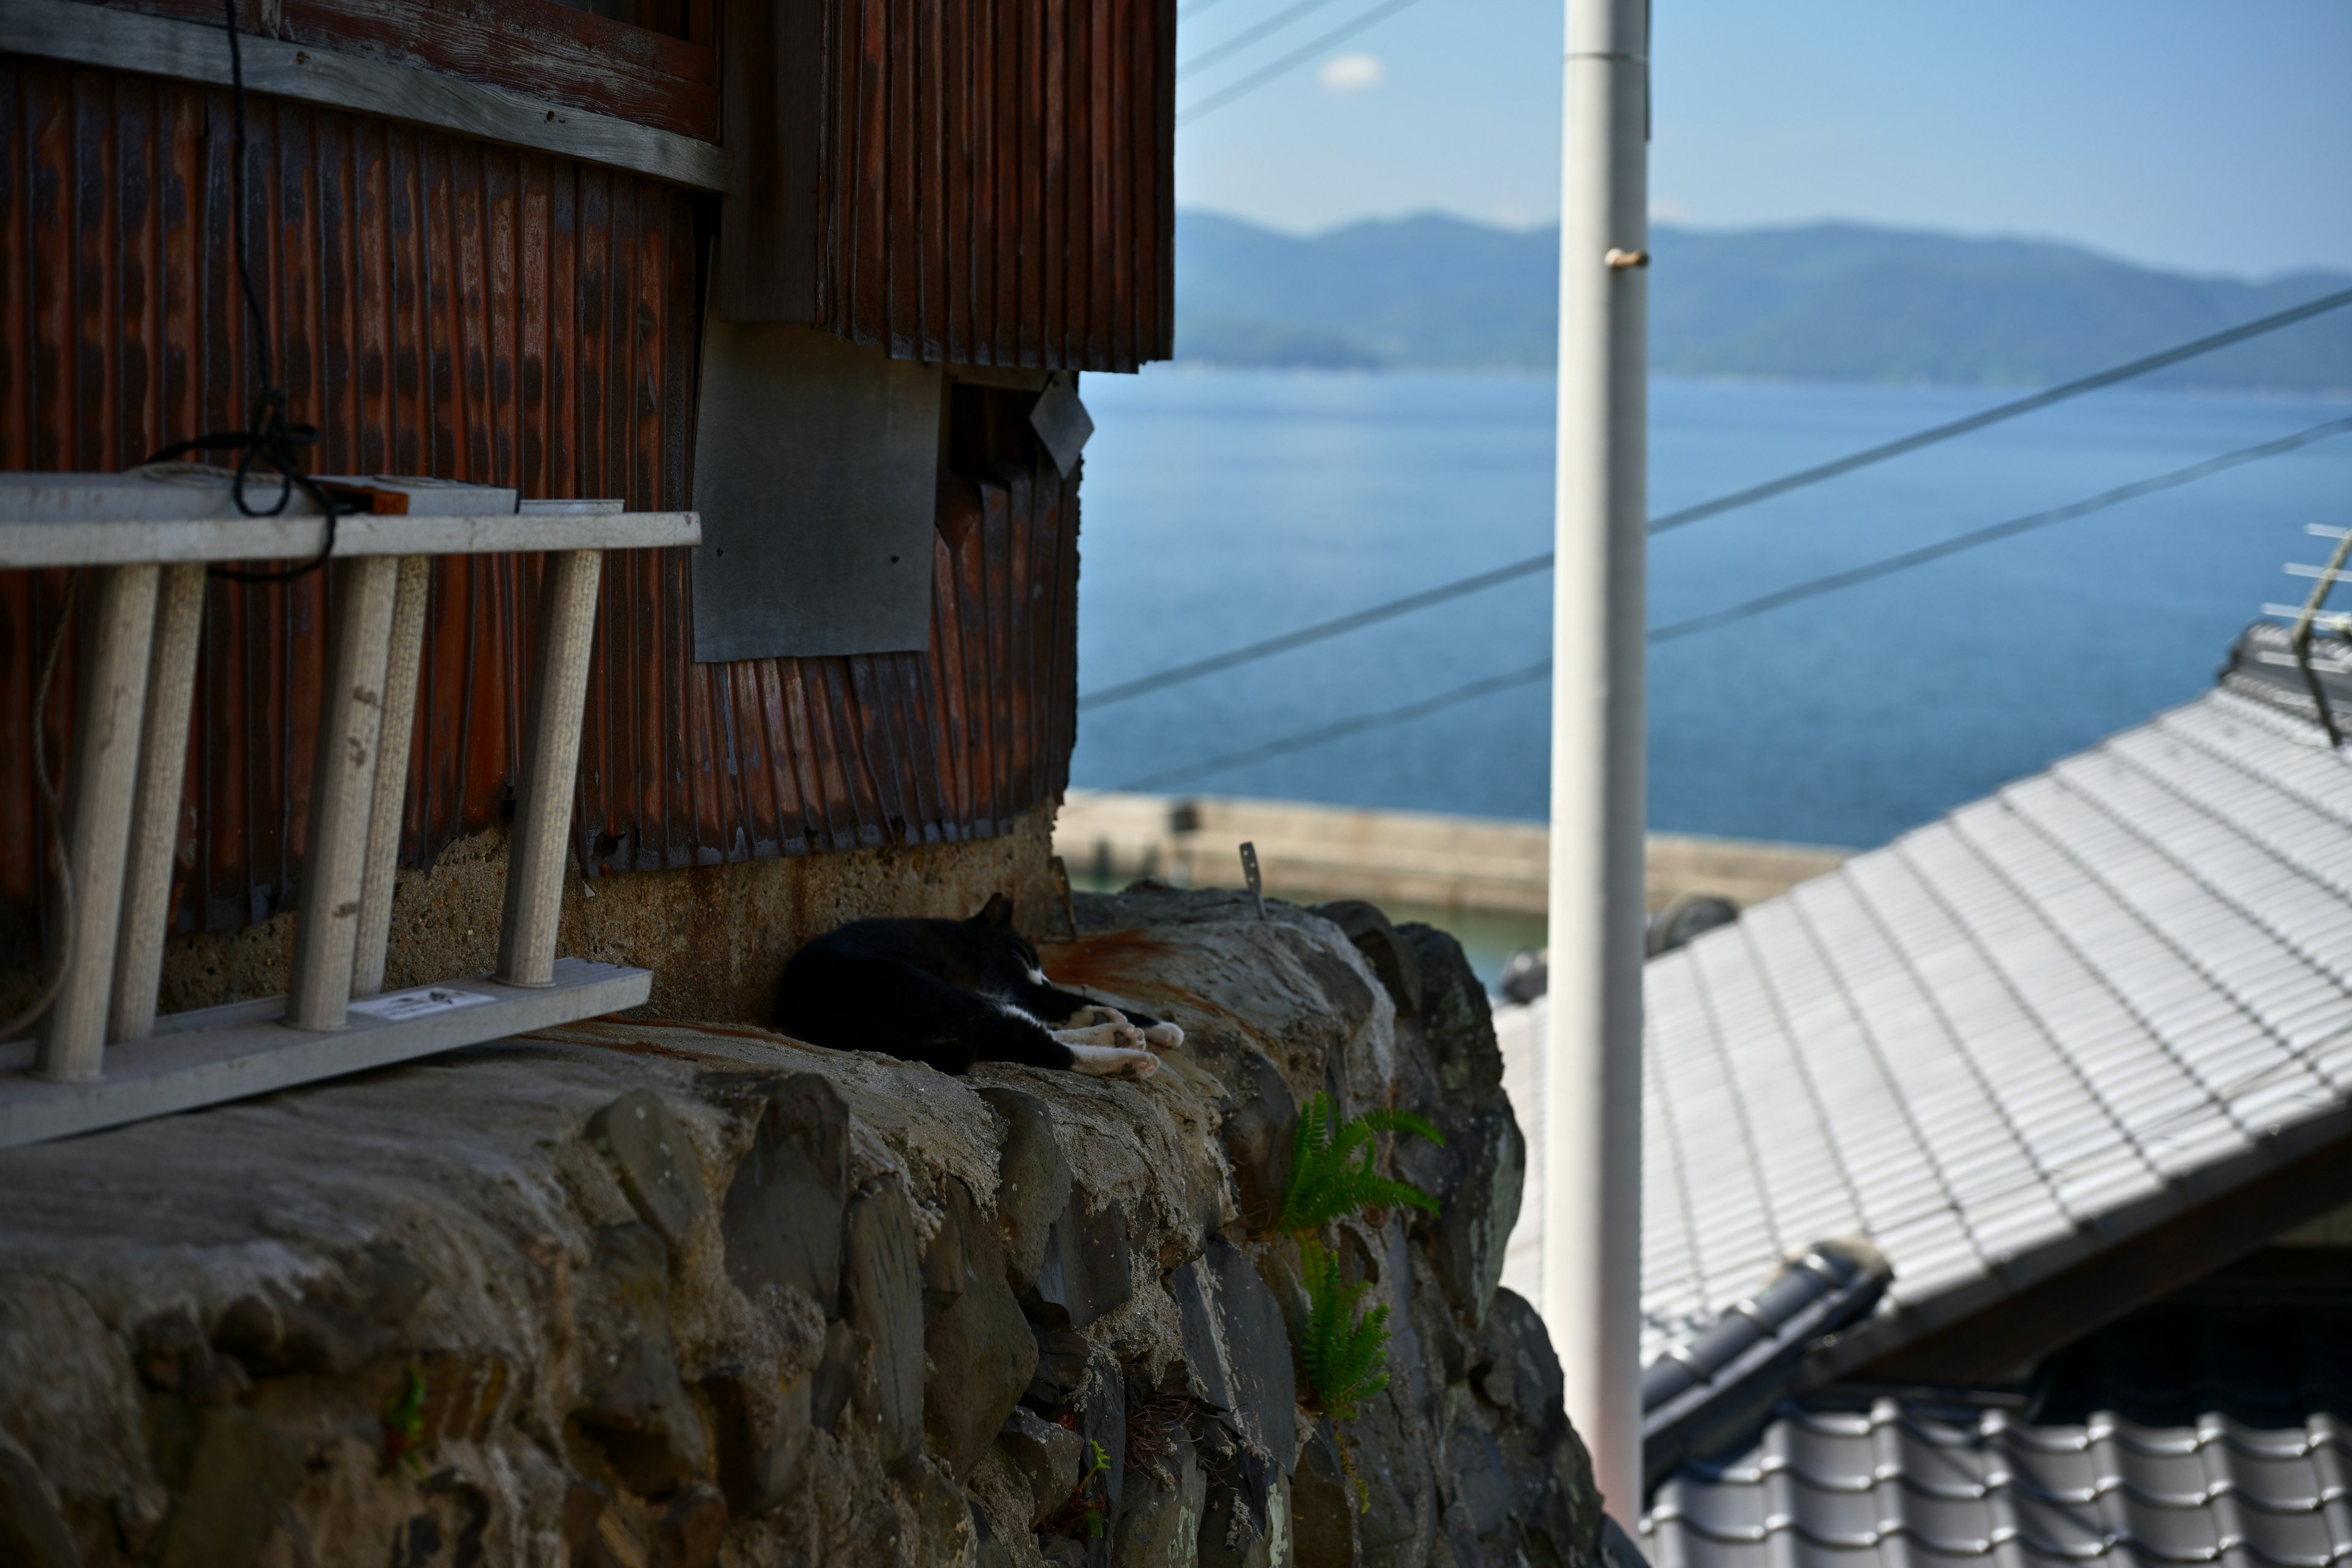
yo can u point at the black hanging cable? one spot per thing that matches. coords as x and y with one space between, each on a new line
268 435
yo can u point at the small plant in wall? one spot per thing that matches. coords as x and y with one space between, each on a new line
1331 1173
1332 1176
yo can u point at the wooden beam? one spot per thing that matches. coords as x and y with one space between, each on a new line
2003 1342
85 34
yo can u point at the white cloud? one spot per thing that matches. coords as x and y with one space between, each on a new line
1346 73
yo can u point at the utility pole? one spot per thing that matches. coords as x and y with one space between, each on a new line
1592 1096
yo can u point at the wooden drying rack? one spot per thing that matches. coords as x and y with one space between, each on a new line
102 1057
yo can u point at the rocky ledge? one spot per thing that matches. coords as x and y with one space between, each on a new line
643 1293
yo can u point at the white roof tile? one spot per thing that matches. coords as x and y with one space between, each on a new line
2007 1027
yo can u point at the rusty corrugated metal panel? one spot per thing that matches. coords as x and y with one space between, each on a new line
473 312
995 188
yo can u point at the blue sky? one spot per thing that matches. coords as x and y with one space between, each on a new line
2209 136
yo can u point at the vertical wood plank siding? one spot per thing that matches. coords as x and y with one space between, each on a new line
475 312
996 183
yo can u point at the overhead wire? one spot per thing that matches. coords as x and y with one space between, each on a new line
1248 36
1289 62
1370 614
1714 619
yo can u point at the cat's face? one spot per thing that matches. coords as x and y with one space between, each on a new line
995 921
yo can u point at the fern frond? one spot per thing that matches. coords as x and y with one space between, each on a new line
1346 1356
1331 1169
1390 1120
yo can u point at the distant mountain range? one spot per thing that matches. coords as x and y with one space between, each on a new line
1823 301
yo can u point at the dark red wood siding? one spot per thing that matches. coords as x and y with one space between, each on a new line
996 183
473 312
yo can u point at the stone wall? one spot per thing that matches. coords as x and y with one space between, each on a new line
640 1293
716 937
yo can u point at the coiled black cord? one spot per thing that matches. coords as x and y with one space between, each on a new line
269 437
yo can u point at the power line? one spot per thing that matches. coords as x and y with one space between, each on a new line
2060 393
1495 576
1290 61
1975 537
1249 35
1676 630
1344 727
1315 633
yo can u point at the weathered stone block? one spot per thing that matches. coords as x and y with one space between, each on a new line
32 1527
1048 1455
1159 1520
982 1356
1260 1135
1061 1376
1392 957
1033 1182
761 1437
1324 1508
246 1470
1085 1271
884 1299
1246 1521
781 1219
657 1164
1467 1239
634 1407
1456 1021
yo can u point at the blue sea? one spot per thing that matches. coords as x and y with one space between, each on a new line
1226 506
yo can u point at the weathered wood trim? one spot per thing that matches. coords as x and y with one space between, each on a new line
95 36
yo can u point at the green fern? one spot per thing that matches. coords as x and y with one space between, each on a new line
1331 1170
1346 1356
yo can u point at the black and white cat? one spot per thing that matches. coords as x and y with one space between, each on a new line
952 993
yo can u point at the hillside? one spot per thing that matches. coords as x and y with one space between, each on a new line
1825 301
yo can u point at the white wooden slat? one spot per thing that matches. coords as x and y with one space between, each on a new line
108 543
550 769
390 794
155 820
343 787
121 632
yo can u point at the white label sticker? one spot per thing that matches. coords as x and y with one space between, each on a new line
402 1006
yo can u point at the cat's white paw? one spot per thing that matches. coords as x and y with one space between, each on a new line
1086 1016
1164 1037
1122 1034
1112 1061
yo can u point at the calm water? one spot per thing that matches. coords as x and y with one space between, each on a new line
1224 506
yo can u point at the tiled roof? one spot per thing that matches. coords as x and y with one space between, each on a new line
2019 1033
2178 1436
2009 1039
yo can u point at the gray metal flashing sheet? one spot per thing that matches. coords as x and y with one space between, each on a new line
2016 1035
816 473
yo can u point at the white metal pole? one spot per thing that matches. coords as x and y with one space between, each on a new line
1593 1112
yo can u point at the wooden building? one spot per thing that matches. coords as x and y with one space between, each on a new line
832 253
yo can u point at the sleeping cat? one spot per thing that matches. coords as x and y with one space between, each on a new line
952 993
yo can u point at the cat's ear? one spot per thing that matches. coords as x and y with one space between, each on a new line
996 912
